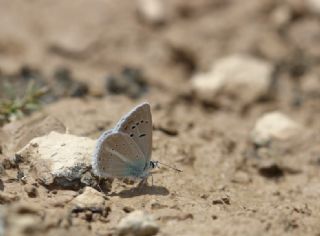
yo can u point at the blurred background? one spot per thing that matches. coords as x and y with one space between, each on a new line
50 50
234 88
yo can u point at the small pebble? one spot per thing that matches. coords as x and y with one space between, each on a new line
152 11
31 191
274 126
90 198
137 223
241 177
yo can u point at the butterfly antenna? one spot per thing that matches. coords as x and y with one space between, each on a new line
170 166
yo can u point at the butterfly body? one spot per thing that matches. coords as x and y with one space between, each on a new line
125 151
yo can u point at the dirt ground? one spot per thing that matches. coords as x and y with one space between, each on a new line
228 186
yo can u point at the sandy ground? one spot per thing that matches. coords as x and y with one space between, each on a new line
228 186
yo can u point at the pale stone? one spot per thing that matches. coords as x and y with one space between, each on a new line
61 157
152 11
239 78
90 198
274 126
137 223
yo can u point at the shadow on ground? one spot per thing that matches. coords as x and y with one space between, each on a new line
139 191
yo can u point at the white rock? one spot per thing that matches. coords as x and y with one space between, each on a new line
274 126
61 157
239 77
152 11
137 223
90 198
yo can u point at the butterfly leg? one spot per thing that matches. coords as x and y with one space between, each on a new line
142 183
144 180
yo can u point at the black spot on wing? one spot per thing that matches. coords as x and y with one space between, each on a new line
142 135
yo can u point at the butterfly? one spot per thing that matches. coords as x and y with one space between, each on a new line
125 150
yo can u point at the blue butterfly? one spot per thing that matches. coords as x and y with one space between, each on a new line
125 151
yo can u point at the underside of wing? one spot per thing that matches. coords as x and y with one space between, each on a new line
138 125
117 155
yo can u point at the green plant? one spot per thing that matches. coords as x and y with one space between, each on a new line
13 107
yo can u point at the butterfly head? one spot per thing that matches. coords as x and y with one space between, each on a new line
154 164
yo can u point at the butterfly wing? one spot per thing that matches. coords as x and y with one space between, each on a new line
117 155
138 125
